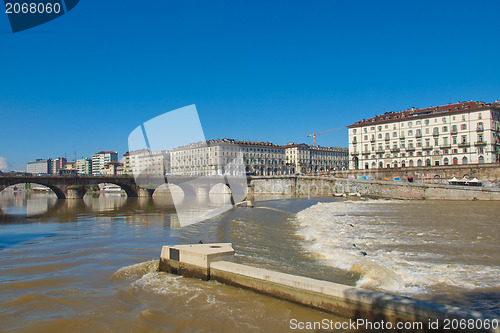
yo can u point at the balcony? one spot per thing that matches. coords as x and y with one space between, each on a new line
418 135
464 144
435 133
428 147
411 148
395 150
479 129
387 139
454 131
445 146
372 140
402 137
480 143
354 141
380 150
355 153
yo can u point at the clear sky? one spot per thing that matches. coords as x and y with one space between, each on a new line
256 70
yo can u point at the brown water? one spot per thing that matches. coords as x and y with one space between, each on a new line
90 265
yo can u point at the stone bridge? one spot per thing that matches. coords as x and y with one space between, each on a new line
71 187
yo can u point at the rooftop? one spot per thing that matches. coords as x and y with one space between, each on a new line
430 111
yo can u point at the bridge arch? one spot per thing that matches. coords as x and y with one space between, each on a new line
58 191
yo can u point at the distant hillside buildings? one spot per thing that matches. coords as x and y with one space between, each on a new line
452 134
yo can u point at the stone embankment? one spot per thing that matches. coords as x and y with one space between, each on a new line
297 186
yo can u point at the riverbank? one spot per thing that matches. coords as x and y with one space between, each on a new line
308 186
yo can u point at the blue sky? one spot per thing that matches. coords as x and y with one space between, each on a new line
256 70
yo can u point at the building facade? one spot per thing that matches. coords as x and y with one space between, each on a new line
84 166
100 160
40 167
113 168
228 156
57 164
301 158
146 162
453 134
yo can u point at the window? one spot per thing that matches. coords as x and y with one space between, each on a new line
395 134
380 128
380 135
480 116
445 128
419 162
444 119
386 126
464 138
365 130
387 136
463 118
411 163
436 163
481 158
366 137
418 122
454 140
463 127
435 131
446 161
410 124
418 132
427 121
410 132
354 131
455 161
454 128
464 160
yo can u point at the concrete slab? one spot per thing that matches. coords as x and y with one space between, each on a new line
347 301
194 260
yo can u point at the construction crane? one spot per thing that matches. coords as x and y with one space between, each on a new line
314 134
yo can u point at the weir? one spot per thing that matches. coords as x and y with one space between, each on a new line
215 262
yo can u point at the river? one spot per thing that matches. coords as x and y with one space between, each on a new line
90 265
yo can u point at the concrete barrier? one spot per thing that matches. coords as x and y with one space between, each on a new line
214 262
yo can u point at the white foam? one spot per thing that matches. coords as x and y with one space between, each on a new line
340 232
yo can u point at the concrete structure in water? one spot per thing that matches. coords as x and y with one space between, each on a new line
214 262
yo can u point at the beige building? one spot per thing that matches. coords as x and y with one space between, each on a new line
146 162
460 133
228 156
113 168
306 159
84 166
100 160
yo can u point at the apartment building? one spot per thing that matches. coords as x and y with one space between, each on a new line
146 162
452 134
228 156
57 164
84 166
100 159
40 167
306 159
